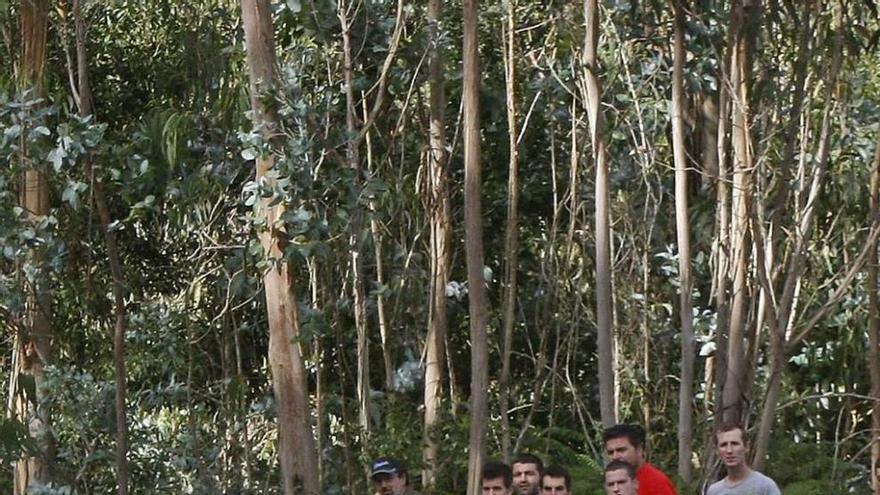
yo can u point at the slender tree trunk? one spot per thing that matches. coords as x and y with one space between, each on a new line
508 310
438 209
721 247
688 341
733 404
607 404
874 325
376 234
355 235
35 347
296 445
473 225
320 373
120 311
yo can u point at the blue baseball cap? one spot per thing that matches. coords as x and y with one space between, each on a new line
386 465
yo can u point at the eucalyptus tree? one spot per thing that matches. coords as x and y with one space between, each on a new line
737 87
440 221
511 239
604 298
477 300
874 323
85 103
297 454
682 226
34 346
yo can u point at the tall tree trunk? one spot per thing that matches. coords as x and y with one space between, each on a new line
721 248
438 209
296 445
682 225
607 404
733 400
473 228
35 347
320 373
355 236
508 311
120 312
376 234
874 325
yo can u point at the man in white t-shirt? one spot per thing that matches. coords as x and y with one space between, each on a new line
733 449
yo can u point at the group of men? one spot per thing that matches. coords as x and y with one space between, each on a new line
627 473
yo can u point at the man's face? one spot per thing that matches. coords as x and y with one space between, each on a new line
495 486
551 485
618 482
389 484
732 448
526 478
620 449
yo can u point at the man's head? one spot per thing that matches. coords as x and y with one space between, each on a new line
732 444
496 478
389 476
625 443
555 481
527 470
620 478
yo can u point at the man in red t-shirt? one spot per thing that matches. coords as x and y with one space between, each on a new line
627 443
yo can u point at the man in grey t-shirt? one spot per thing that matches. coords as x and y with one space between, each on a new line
730 440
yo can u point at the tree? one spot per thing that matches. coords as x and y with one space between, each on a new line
739 83
473 224
682 224
84 98
874 324
508 310
440 221
604 303
35 347
296 445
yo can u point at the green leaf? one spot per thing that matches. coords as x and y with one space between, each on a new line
56 157
71 195
249 154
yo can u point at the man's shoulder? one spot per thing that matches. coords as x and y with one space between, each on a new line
764 481
715 487
649 471
757 483
653 481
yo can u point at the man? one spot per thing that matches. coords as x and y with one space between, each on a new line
527 471
555 481
627 443
620 478
733 449
390 478
496 478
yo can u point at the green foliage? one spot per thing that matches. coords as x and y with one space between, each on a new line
818 471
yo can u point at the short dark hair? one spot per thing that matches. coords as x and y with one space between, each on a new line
618 465
555 471
524 458
634 433
496 469
730 426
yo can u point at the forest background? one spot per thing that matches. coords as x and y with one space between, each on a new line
443 231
